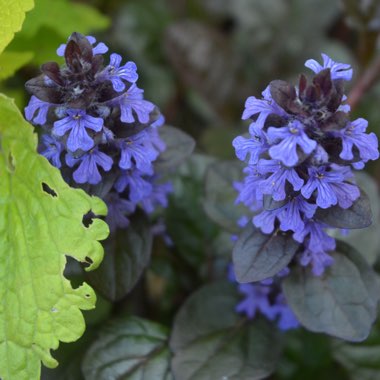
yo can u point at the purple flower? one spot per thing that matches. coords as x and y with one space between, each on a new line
136 152
133 100
253 146
320 156
243 221
265 220
294 213
346 193
358 165
256 299
331 189
118 208
249 190
338 70
159 229
344 107
290 137
76 122
159 122
319 261
286 318
100 48
318 240
37 106
87 171
354 135
116 73
264 108
139 188
157 197
154 140
52 150
275 183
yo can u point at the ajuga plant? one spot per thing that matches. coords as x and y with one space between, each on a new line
299 183
105 138
98 128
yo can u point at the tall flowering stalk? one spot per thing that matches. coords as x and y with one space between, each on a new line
300 153
98 128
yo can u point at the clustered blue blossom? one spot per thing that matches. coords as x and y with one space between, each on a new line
267 299
98 128
300 154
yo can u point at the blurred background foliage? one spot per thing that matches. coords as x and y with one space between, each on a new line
198 61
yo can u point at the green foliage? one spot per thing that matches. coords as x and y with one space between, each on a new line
138 29
72 16
220 196
129 348
10 62
41 222
367 240
179 147
359 215
361 361
48 25
342 302
199 59
12 14
258 256
192 232
308 356
210 341
127 256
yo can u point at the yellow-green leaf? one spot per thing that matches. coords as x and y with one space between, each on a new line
64 17
42 34
12 14
11 61
40 224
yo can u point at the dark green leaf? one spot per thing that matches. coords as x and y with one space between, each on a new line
308 356
129 348
361 361
179 147
258 256
342 302
127 253
359 215
220 195
210 341
188 225
368 237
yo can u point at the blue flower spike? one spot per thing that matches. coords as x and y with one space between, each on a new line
301 154
98 127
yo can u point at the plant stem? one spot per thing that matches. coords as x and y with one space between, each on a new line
364 83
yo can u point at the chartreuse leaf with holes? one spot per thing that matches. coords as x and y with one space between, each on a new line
40 223
12 14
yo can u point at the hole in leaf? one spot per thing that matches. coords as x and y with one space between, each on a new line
47 189
87 219
11 162
87 295
88 261
73 272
